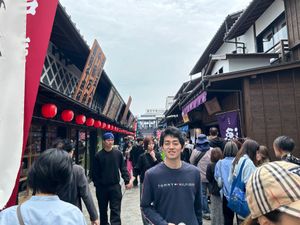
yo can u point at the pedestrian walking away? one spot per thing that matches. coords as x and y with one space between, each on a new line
216 201
78 187
108 165
273 194
172 189
200 157
244 165
283 147
214 140
52 169
222 172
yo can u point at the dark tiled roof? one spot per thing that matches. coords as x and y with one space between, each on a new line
216 42
255 9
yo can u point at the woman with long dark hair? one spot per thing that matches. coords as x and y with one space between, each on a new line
244 163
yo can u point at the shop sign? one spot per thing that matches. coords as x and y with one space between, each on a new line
12 85
90 77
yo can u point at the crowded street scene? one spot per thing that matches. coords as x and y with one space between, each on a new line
162 112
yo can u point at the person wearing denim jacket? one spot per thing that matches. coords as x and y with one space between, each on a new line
222 172
248 152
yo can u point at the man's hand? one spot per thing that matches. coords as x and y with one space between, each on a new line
96 222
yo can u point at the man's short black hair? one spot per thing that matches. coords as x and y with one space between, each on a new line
50 171
173 132
58 143
284 143
213 131
68 145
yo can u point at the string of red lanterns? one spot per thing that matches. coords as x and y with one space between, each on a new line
49 111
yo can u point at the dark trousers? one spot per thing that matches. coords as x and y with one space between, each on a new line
145 222
112 195
227 212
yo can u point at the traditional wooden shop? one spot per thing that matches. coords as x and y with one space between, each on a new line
76 100
251 67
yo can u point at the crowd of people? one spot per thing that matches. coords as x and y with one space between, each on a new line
181 182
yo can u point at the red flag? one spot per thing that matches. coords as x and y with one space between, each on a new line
40 17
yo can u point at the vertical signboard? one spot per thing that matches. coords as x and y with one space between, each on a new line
25 28
130 120
123 121
90 77
108 101
12 85
115 105
229 124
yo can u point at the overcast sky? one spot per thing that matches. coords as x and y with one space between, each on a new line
150 45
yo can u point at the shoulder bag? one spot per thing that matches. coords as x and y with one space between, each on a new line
237 199
19 215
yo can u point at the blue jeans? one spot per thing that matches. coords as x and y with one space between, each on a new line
205 208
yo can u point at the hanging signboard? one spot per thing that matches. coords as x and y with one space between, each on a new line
90 77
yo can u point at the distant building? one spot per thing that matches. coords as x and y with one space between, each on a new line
147 123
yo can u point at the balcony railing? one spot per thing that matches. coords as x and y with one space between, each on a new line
282 48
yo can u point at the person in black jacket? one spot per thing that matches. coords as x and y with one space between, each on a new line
147 160
135 153
283 148
107 166
214 140
78 187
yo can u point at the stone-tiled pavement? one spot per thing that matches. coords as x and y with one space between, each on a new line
130 214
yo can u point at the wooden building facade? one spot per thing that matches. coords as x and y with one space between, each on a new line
266 93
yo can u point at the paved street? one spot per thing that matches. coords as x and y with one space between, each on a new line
131 214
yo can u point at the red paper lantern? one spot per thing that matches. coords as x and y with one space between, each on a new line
80 119
67 115
90 122
103 125
49 110
97 124
108 126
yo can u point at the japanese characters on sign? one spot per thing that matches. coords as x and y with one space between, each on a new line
229 125
90 77
12 86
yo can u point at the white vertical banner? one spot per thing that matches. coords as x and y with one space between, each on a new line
12 87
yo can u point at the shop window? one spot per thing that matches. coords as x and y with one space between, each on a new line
58 75
272 35
32 151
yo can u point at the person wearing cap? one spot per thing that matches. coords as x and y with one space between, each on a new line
108 165
200 157
283 147
273 194
78 186
172 189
